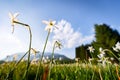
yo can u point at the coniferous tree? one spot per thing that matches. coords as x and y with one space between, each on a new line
106 38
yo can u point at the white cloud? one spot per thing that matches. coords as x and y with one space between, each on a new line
69 36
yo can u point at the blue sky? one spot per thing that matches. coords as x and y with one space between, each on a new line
79 16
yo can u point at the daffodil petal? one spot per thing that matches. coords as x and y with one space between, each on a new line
53 22
16 14
10 15
45 22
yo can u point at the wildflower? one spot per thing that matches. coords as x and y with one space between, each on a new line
101 51
60 58
117 47
90 59
15 57
101 55
50 24
34 61
34 51
76 59
13 19
91 49
112 58
58 44
47 57
103 60
43 58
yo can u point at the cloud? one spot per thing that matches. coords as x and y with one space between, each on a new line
69 36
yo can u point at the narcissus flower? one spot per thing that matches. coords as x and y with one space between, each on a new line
101 51
34 51
15 57
50 24
13 19
117 47
60 58
91 49
58 44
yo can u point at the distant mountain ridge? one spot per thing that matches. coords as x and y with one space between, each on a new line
38 55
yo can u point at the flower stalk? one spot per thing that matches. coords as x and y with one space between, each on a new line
15 21
111 53
50 24
42 55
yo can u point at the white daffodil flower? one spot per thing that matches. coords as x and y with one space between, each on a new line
101 51
60 58
58 44
47 57
43 58
104 61
117 47
13 19
76 59
101 55
14 57
34 51
50 24
91 49
111 58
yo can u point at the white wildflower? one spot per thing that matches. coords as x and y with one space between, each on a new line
117 47
91 49
50 24
13 19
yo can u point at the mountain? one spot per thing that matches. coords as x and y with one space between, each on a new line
17 56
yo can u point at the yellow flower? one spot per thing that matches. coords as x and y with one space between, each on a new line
13 19
50 24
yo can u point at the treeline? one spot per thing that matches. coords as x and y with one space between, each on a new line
105 37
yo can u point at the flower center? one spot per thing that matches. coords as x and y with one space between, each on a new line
51 24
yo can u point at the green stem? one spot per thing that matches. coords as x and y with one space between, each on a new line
51 61
112 54
36 78
28 62
21 23
15 65
91 54
53 52
29 51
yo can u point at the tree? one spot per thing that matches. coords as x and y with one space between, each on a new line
82 52
106 38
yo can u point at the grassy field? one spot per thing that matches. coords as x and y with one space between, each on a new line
75 71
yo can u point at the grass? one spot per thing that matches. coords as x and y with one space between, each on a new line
74 71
